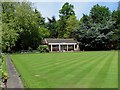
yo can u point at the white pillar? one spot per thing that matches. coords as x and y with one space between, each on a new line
77 47
51 47
74 46
59 48
67 47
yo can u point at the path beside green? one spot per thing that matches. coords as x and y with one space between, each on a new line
97 69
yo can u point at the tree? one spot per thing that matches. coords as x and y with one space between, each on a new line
52 27
71 25
23 26
65 13
62 28
116 18
84 33
44 32
39 18
100 14
95 30
9 35
30 25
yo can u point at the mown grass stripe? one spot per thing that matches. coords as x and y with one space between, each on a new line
112 75
64 65
90 76
102 74
61 59
84 82
67 76
79 74
69 67
53 77
66 55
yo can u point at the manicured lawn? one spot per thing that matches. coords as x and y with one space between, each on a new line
97 69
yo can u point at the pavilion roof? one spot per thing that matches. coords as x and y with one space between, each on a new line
56 40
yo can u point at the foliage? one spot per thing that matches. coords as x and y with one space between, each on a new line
97 11
66 11
71 25
95 31
44 32
28 27
52 26
62 28
4 67
67 18
9 35
43 48
23 26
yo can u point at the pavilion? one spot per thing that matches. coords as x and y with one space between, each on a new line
61 45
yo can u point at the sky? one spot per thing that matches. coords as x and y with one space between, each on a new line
51 8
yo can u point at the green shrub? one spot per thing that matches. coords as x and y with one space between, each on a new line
43 48
4 68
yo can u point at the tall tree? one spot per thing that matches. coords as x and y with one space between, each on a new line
9 35
99 14
52 27
31 26
71 25
23 27
65 13
95 30
116 18
39 18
